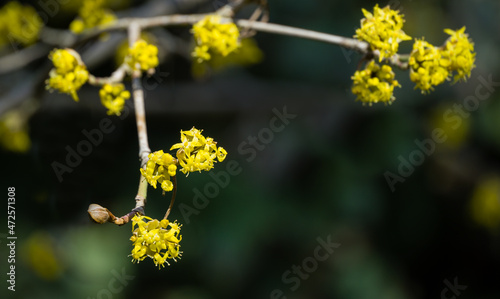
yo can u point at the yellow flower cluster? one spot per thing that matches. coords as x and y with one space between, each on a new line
159 168
122 48
69 73
194 153
431 66
428 66
19 23
374 84
197 153
383 30
90 15
460 50
158 240
14 132
142 56
211 36
113 97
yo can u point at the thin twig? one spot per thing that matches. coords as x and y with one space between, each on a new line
260 13
172 20
116 77
134 32
174 192
401 61
346 42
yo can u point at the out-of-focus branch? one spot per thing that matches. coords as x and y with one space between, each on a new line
116 77
174 20
22 57
25 89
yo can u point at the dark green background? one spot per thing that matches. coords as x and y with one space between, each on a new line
321 176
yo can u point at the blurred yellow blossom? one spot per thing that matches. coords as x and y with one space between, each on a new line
374 84
248 54
90 15
19 23
113 97
69 73
122 49
213 37
485 203
42 256
158 240
383 30
456 131
142 56
14 131
73 6
428 66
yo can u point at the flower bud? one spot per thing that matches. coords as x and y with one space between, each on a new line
98 214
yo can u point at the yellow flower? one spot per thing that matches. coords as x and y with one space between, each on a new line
19 23
159 168
69 73
374 84
197 153
158 240
122 49
14 131
91 15
142 56
113 97
211 36
460 50
428 66
383 30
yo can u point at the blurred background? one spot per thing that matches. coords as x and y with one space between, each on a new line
407 221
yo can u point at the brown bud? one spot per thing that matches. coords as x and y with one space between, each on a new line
98 214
